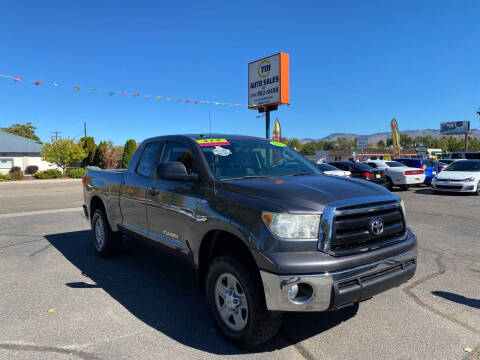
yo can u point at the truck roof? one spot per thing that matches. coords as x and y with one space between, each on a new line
208 136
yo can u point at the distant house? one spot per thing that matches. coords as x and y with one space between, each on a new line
19 151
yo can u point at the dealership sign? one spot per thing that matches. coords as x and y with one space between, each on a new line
454 127
268 81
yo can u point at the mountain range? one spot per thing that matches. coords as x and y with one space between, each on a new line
376 137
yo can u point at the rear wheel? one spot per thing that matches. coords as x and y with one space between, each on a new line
237 301
478 189
389 183
105 240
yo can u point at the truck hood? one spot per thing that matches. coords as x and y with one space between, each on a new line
304 194
458 175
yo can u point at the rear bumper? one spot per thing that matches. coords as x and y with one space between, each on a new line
334 290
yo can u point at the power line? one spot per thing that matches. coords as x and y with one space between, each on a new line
56 134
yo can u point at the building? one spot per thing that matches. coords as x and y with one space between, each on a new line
22 152
362 154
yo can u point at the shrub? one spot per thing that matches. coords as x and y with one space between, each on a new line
31 169
5 177
48 174
76 173
16 173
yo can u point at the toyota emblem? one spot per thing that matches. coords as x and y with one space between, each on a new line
376 227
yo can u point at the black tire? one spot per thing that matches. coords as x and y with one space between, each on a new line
112 240
404 187
478 189
261 324
389 183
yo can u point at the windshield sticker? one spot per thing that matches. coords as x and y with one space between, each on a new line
276 143
212 142
221 151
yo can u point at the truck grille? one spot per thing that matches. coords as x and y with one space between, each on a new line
363 227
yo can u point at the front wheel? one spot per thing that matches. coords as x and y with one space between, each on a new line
389 184
478 189
237 301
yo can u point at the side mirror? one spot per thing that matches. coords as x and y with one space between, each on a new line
174 171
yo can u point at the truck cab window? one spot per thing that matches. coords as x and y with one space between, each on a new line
148 161
178 152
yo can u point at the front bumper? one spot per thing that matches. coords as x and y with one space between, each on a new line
334 290
454 186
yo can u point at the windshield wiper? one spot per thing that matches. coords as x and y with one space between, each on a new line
301 174
248 177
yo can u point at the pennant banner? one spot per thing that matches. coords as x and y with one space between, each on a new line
77 88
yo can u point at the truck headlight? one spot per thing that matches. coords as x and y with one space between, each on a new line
290 226
402 204
470 179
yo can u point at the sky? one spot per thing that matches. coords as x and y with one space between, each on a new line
354 65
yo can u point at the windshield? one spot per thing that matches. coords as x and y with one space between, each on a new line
326 167
360 166
472 155
464 165
244 158
394 164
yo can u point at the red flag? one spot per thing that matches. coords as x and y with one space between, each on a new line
17 79
38 82
135 95
187 101
196 101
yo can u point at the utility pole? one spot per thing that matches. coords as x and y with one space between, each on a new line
56 135
85 129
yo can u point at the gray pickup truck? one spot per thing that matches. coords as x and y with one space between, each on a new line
266 231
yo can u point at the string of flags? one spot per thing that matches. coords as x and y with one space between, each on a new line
78 88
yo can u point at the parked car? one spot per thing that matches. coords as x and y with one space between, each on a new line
266 231
361 171
328 169
398 174
427 165
448 161
469 155
440 165
461 176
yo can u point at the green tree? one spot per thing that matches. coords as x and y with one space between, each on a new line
63 153
308 149
128 150
26 130
295 143
88 144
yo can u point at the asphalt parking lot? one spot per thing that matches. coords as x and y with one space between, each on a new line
59 301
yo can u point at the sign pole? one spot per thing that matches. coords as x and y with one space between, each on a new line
267 124
466 141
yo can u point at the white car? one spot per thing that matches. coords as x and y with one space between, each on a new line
460 176
398 174
328 169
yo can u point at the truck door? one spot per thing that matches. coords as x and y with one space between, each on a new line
133 194
172 208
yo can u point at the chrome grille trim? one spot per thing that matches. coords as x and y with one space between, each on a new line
365 205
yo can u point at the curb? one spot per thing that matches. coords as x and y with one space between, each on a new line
40 181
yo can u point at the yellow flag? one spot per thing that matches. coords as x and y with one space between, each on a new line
76 88
159 98
277 132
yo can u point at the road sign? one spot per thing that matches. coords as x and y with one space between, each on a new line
421 150
268 81
362 142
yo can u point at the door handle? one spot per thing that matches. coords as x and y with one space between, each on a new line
152 190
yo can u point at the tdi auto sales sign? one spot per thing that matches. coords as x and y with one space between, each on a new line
268 81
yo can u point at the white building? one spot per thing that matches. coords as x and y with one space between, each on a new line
22 152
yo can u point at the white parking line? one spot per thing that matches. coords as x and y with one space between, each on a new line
39 212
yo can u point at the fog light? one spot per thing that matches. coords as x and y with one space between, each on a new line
300 294
292 292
